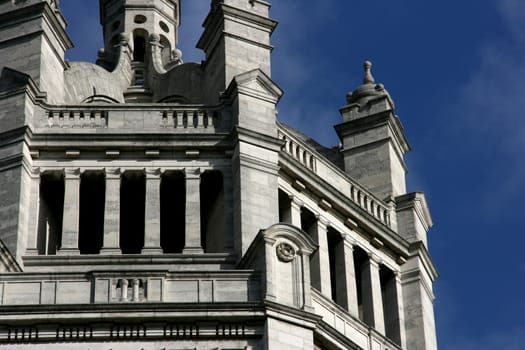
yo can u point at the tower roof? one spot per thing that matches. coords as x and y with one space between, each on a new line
368 90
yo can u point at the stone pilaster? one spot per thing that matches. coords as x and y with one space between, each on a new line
229 245
193 243
348 295
295 211
321 259
152 213
111 243
70 222
34 208
394 312
372 297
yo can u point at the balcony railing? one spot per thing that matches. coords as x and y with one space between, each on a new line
313 162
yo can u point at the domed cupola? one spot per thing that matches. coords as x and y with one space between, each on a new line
369 90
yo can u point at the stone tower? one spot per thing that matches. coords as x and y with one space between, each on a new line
152 203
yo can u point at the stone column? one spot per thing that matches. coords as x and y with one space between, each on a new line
193 243
394 313
34 213
295 211
371 292
229 245
346 272
321 260
111 243
152 213
70 221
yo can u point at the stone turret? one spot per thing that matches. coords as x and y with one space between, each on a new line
140 19
374 143
33 41
236 40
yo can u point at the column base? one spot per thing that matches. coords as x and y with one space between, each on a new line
152 251
68 251
32 252
110 251
193 250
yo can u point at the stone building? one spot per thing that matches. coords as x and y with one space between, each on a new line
147 203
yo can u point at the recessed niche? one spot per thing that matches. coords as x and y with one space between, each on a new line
164 27
139 19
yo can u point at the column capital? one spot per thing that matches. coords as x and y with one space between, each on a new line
153 173
192 173
349 241
113 173
72 173
35 172
321 221
296 201
374 259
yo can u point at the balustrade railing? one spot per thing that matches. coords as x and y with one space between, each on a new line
356 193
77 119
191 119
297 151
183 119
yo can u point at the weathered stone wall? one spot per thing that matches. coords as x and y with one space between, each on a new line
10 183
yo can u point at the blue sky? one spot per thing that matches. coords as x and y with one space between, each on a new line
455 69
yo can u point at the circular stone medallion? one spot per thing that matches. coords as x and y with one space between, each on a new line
285 252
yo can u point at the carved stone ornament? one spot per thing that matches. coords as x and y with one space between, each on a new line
285 252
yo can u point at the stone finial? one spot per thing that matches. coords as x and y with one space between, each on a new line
368 79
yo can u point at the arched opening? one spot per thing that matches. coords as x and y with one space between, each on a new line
212 212
139 46
172 212
51 212
132 212
91 216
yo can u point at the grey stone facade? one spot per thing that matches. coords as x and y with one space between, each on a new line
149 203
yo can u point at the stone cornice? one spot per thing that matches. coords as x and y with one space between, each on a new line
271 92
291 315
377 120
416 201
24 84
419 249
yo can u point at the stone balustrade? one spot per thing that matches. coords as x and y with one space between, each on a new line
191 119
77 118
324 169
297 151
174 118
118 288
364 336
